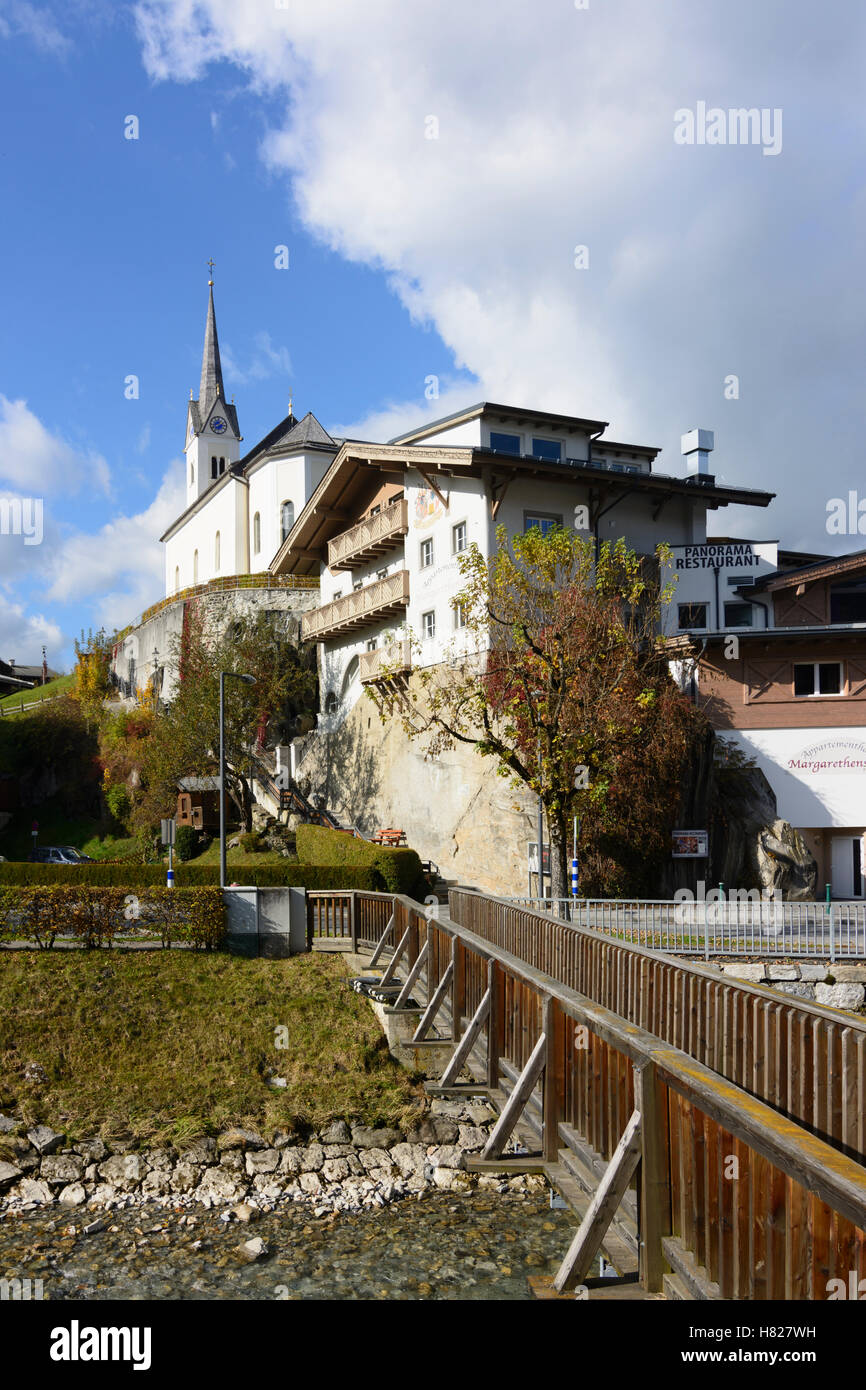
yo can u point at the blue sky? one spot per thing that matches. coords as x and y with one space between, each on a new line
309 125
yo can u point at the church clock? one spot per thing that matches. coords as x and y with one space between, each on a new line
218 424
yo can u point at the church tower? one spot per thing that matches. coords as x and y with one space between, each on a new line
212 435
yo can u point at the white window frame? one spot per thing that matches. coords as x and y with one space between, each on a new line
428 636
555 517
459 613
459 526
422 563
817 694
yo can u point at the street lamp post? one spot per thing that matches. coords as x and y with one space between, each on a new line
248 680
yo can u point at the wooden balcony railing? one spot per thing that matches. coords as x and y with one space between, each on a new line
397 656
384 598
374 536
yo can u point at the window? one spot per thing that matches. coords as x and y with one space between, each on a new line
374 511
692 615
739 615
331 702
547 449
213 466
848 602
358 585
505 443
459 615
818 678
195 567
222 465
382 574
541 521
176 578
428 624
458 537
216 551
338 593
287 519
257 533
426 554
372 644
192 475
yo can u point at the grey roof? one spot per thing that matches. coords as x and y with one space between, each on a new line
291 434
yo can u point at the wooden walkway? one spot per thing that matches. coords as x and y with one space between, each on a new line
708 1133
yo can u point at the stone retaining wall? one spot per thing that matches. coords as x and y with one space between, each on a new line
339 1168
841 986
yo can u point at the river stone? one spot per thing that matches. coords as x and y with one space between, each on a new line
364 1138
472 1137
200 1151
160 1158
290 1161
185 1177
157 1182
840 996
448 1156
310 1182
45 1139
233 1159
219 1182
434 1129
848 974
312 1158
335 1169
73 1195
124 1171
7 1124
91 1150
245 1212
251 1250
409 1158
34 1190
374 1158
62 1168
337 1132
451 1179
239 1139
263 1161
102 1195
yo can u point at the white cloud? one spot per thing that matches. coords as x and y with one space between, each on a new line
264 361
22 20
33 460
555 129
119 570
23 634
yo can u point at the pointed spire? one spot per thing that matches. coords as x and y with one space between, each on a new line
211 372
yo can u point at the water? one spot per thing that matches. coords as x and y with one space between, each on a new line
482 1246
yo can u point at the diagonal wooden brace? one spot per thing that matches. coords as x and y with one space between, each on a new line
392 963
523 1089
380 945
602 1208
467 1042
434 1005
412 977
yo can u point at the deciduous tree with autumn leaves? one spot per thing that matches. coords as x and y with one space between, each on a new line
559 676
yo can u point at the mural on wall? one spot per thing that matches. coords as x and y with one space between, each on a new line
428 509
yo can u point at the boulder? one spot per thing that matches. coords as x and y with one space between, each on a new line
199 1151
35 1190
251 1250
848 974
262 1161
742 970
62 1168
310 1182
374 1158
335 1169
451 1179
365 1138
337 1132
800 990
91 1150
782 972
185 1177
812 972
290 1161
236 1138
848 996
245 1212
157 1182
220 1183
7 1124
123 1171
433 1129
447 1156
409 1158
471 1137
312 1158
45 1139
73 1195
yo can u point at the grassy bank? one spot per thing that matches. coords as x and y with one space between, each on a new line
171 1046
59 686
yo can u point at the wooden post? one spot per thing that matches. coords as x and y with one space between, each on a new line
654 1188
458 988
353 918
494 1019
553 1083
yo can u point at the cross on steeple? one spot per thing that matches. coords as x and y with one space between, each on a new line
210 265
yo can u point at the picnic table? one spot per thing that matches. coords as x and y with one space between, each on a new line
390 836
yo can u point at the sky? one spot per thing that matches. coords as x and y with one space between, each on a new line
520 202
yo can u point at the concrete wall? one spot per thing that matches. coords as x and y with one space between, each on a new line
269 922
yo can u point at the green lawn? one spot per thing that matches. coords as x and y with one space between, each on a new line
170 1045
55 687
238 856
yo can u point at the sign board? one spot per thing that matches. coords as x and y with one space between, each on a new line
690 844
167 829
533 858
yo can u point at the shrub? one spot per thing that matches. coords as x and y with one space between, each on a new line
251 842
186 839
399 869
130 876
118 802
96 916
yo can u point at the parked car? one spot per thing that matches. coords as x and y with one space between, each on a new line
58 854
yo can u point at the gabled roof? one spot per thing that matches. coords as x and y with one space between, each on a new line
291 434
472 412
828 568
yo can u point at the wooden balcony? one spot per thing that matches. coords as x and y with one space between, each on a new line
374 536
384 598
397 656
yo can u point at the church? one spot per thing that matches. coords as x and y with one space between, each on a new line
239 508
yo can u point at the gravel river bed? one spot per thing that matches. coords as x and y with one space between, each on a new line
484 1246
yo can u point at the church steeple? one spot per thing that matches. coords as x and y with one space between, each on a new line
211 385
212 434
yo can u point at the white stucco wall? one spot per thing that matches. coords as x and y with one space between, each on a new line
818 775
738 562
225 512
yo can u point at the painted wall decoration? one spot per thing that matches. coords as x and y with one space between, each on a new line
428 509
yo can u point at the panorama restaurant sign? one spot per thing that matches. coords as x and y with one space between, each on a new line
831 755
721 555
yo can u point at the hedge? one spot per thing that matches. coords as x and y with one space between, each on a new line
129 875
400 868
98 916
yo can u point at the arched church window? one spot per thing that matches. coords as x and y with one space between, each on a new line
213 466
257 533
222 466
287 518
192 475
331 702
176 578
216 551
195 567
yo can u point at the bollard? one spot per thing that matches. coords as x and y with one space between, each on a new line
169 878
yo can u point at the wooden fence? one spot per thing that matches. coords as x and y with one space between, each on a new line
678 1093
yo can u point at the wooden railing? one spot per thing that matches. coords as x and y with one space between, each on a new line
626 1077
381 599
397 656
373 536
